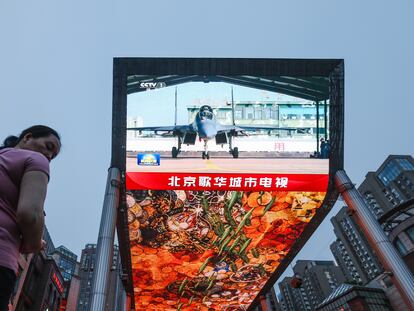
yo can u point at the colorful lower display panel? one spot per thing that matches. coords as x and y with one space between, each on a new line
212 249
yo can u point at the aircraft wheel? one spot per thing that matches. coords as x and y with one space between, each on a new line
174 152
235 152
207 156
203 155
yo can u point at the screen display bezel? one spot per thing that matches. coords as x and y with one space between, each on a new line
333 69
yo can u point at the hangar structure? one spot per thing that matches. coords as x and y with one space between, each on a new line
311 88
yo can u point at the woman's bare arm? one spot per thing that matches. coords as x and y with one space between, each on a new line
30 217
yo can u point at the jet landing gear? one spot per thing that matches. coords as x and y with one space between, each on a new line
233 151
175 151
205 154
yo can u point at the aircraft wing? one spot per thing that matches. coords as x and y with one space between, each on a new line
242 129
174 129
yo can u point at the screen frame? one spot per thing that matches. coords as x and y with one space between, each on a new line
124 67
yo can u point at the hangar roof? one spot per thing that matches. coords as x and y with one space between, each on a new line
311 88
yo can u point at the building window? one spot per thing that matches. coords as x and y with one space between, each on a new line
266 113
221 114
258 113
400 247
274 113
393 169
405 164
238 113
410 233
249 113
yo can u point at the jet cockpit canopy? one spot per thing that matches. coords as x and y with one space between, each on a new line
206 112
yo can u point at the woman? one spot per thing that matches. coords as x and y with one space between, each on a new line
24 174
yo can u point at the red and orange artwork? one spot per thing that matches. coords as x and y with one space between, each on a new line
211 250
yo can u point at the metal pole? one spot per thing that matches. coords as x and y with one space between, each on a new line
388 255
232 108
104 250
123 301
317 126
325 111
175 107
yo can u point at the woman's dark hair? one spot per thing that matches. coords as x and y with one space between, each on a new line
36 131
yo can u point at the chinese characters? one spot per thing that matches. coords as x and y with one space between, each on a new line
235 182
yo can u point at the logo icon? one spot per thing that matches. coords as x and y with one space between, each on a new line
148 159
152 85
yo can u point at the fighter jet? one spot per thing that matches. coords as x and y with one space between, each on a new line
206 127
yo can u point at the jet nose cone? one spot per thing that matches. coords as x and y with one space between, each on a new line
206 129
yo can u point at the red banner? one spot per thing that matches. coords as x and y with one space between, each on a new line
224 181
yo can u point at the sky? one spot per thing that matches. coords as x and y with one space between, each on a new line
56 69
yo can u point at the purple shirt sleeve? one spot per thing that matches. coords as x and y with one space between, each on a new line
37 162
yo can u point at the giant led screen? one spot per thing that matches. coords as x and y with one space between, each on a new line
222 177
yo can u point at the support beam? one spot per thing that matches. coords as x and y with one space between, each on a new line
128 302
325 111
317 128
104 249
388 255
263 303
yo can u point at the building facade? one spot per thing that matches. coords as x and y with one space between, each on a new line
320 278
50 247
26 272
314 280
391 185
353 297
66 261
352 251
292 114
73 290
271 302
43 287
389 195
292 298
116 292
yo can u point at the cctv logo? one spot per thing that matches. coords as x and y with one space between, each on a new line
152 85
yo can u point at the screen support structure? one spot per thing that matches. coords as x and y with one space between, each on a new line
325 118
383 247
317 128
263 303
105 247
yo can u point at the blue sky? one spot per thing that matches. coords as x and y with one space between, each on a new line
56 69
